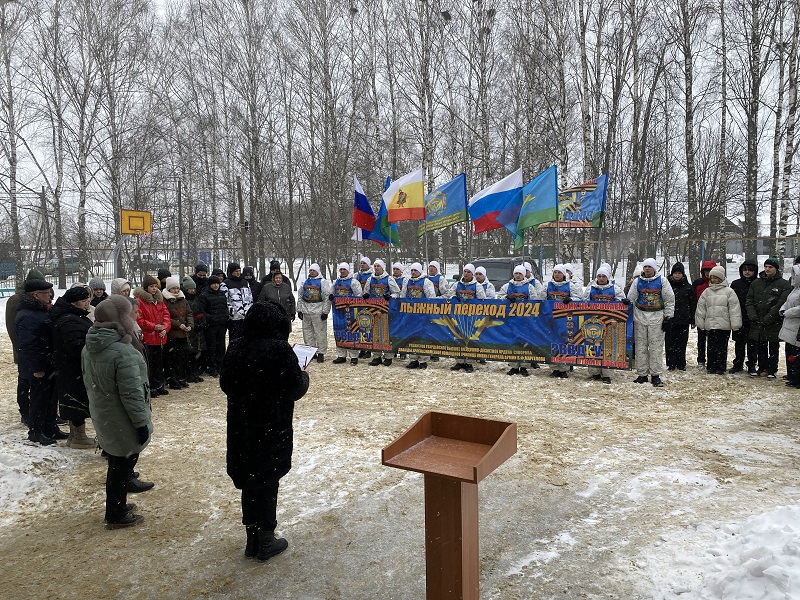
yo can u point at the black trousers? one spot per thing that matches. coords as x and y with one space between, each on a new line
155 366
260 505
23 396
120 469
176 359
767 353
717 354
43 405
701 345
742 348
792 363
215 347
675 342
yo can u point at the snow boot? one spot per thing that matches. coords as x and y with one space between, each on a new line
656 381
387 362
78 438
414 364
269 545
640 379
375 362
339 360
251 548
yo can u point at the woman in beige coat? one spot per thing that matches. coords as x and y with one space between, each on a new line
718 313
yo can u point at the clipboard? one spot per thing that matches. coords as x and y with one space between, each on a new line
305 354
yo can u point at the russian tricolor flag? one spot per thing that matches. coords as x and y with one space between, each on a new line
486 205
363 217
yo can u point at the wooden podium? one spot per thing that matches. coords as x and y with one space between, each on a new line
454 453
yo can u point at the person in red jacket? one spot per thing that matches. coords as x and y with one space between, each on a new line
155 323
699 286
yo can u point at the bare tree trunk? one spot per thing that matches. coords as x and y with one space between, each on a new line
777 138
791 124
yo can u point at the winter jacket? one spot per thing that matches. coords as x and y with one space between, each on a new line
201 283
239 297
741 286
315 297
421 287
463 290
152 311
214 306
610 292
255 288
34 337
718 309
667 303
790 311
197 341
259 423
700 284
764 300
180 313
378 290
119 395
95 300
535 290
347 287
685 301
488 288
281 294
11 316
70 326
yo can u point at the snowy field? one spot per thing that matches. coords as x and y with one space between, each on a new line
689 491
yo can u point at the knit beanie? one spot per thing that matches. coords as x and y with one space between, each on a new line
314 267
604 270
34 274
380 262
561 269
97 284
650 262
365 259
172 282
274 265
75 294
200 268
188 283
164 273
248 271
214 279
267 320
343 265
234 266
718 271
119 284
470 267
435 264
773 261
149 280
519 269
416 267
218 273
678 268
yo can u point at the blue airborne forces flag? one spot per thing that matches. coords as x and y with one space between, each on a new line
445 206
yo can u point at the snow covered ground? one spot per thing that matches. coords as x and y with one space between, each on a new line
621 491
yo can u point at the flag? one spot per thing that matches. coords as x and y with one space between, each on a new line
405 198
582 206
486 205
363 217
446 205
539 204
385 232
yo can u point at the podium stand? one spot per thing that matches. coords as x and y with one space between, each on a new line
454 453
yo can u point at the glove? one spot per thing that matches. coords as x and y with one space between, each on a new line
143 434
387 297
324 316
300 316
566 300
666 325
365 295
625 301
330 297
512 300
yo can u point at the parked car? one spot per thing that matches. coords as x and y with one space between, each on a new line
151 262
501 270
72 264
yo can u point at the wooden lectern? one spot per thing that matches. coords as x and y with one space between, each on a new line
454 453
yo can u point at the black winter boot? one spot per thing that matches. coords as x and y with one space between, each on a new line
269 545
251 548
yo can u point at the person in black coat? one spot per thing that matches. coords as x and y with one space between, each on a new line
35 355
70 325
676 330
214 307
748 271
248 274
262 379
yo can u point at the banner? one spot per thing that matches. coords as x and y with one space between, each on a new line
594 334
582 206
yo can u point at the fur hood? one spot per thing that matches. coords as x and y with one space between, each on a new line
145 296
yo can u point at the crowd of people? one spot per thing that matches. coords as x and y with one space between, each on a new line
90 354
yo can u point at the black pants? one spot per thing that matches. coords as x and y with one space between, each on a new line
23 396
767 353
741 347
235 329
260 505
701 345
43 406
120 469
792 363
155 366
717 350
176 359
215 347
675 342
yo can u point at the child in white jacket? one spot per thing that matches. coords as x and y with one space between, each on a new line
718 312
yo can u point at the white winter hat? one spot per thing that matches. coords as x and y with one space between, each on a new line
561 269
718 271
519 269
569 267
397 266
343 265
469 267
435 263
650 262
380 262
527 266
606 265
365 259
172 282
416 267
481 270
604 270
314 267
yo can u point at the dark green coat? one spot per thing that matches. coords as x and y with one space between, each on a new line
764 299
115 375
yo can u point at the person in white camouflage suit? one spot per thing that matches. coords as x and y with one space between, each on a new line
313 307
